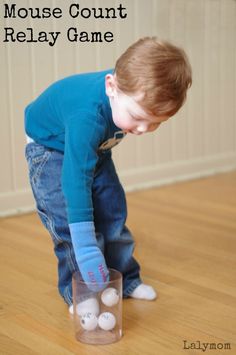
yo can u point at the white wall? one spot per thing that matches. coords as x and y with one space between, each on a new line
200 140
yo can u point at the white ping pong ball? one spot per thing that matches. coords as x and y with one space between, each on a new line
89 321
106 321
90 305
110 297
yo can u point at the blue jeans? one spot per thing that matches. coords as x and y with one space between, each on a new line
110 212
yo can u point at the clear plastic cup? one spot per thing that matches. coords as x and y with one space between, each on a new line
98 315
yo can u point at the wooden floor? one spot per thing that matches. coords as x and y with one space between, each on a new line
186 243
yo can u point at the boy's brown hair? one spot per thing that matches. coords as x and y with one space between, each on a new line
160 70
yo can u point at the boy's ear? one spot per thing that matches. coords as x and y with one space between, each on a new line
110 84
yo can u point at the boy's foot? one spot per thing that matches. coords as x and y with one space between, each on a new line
87 306
144 292
71 309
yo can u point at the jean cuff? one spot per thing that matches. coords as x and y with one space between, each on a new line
127 292
68 296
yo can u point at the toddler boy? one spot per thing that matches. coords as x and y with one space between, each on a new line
71 128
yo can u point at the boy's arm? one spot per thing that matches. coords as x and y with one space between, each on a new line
80 158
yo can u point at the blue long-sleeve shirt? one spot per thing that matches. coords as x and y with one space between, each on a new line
73 115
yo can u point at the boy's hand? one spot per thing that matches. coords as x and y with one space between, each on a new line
89 257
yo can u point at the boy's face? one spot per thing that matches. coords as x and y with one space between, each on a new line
127 114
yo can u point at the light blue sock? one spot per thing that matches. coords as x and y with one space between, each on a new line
89 257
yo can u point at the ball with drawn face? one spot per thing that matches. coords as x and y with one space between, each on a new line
110 297
106 321
89 305
89 321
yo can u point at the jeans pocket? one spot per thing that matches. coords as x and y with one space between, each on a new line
36 162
